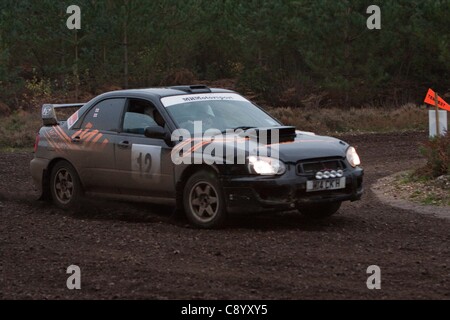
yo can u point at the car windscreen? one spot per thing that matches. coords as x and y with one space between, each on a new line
216 111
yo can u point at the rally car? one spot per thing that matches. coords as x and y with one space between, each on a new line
208 152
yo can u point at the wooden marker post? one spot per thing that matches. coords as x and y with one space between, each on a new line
438 129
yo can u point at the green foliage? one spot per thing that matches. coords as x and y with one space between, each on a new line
437 153
282 51
39 87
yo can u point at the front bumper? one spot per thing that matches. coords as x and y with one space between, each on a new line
259 193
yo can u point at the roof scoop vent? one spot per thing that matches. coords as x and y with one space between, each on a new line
198 88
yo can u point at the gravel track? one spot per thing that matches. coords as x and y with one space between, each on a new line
140 251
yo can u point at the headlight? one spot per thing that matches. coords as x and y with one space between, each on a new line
353 157
266 166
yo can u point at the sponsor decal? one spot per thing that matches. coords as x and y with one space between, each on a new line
174 100
71 121
47 111
59 140
90 138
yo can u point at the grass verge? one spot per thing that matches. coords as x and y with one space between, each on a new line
409 117
422 189
18 130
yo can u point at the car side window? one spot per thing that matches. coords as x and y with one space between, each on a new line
139 115
105 115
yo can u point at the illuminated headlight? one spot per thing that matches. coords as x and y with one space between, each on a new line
266 166
352 157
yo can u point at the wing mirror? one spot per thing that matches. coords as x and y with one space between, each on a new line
155 132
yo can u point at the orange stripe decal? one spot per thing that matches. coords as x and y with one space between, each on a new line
90 135
63 134
77 133
98 137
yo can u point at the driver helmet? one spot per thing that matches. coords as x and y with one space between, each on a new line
203 109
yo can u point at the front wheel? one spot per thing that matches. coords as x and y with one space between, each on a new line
65 186
203 200
320 210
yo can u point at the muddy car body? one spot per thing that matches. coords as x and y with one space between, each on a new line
144 145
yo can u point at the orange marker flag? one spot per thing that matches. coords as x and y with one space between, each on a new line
429 99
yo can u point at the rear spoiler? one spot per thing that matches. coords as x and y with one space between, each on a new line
48 113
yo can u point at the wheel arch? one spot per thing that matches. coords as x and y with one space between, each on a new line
184 177
46 193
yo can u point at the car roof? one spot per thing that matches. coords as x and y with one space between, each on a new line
153 93
165 92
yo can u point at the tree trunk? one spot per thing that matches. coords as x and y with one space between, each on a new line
125 45
76 72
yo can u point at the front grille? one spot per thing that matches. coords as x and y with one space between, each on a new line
311 167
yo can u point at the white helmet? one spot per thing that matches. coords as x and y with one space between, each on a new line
206 108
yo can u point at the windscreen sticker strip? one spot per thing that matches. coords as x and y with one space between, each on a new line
174 100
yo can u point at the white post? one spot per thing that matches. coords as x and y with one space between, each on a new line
443 124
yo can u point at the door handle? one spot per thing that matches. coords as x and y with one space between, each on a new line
76 140
123 144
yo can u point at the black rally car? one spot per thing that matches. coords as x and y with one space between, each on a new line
207 151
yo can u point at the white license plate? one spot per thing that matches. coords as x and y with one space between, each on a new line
329 184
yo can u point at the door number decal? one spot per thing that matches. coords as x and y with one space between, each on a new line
146 161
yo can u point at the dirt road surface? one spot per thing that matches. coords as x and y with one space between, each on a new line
139 251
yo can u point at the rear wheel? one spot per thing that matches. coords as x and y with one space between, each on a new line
320 210
65 186
203 200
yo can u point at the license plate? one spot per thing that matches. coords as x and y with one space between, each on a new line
329 184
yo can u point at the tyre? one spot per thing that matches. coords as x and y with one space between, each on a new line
204 201
65 186
320 210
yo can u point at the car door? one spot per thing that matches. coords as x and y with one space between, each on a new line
95 141
143 164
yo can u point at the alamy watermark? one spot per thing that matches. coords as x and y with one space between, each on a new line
374 21
374 280
223 147
74 21
74 280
